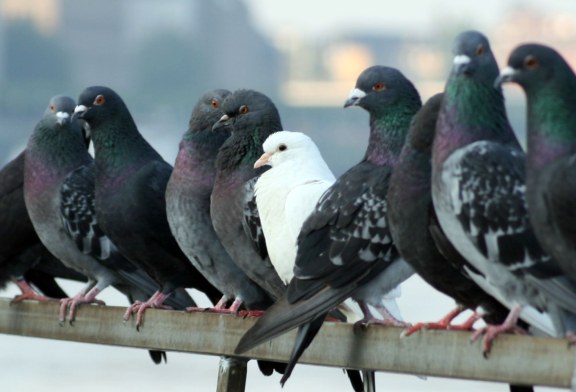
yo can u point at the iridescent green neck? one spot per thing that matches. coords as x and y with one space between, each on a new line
388 132
551 123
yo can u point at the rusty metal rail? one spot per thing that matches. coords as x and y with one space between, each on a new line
514 359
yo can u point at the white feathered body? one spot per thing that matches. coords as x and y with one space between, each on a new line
287 193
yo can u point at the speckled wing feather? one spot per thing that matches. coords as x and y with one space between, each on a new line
489 200
251 219
346 238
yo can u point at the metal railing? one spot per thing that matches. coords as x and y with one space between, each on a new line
527 360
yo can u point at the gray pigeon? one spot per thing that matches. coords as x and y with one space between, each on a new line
188 208
54 150
23 258
479 193
550 87
59 196
131 180
251 116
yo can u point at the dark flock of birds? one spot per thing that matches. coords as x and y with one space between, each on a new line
252 216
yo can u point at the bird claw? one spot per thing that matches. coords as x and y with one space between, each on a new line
415 328
71 304
139 308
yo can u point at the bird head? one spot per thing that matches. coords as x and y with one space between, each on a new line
378 87
472 52
96 104
208 110
61 107
248 110
532 65
283 146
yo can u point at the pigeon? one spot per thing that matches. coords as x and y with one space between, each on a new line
416 232
478 190
344 246
130 204
188 208
287 193
250 116
21 252
550 87
59 196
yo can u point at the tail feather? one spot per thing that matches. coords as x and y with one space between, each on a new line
306 333
283 316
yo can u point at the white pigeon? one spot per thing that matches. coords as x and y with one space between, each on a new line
287 193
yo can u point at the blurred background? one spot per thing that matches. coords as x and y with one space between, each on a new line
160 56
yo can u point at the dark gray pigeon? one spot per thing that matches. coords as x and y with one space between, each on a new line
344 247
417 235
59 196
251 116
432 256
479 192
22 255
131 180
188 208
54 150
550 87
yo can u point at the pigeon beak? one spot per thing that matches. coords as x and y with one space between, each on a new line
354 97
506 75
62 117
461 63
79 111
263 160
223 122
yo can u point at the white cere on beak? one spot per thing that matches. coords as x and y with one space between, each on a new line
356 93
225 117
80 108
508 71
61 117
461 59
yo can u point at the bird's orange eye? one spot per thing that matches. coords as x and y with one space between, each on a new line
52 108
282 147
530 62
99 100
480 50
379 86
243 109
215 103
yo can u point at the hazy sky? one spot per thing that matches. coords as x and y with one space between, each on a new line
326 17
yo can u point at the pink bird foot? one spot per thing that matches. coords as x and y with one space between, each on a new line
139 308
491 331
221 308
368 319
71 304
28 293
445 323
